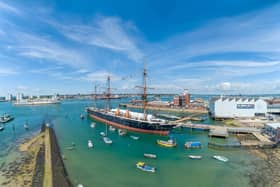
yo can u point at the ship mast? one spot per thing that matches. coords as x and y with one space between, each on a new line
108 93
144 97
95 97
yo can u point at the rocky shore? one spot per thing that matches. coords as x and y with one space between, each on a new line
267 171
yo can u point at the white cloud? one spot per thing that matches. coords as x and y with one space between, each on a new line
225 86
106 32
22 88
7 71
9 8
35 47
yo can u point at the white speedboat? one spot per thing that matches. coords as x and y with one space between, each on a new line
82 116
134 137
111 128
122 132
92 125
1 127
107 140
195 157
26 126
148 155
102 134
90 144
220 158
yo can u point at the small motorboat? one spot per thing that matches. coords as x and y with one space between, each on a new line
191 145
195 157
26 126
6 118
90 144
82 116
148 155
142 166
220 158
111 128
107 140
168 143
47 125
122 132
2 127
134 137
80 185
102 134
92 125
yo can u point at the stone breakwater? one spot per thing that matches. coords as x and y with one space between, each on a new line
60 176
29 168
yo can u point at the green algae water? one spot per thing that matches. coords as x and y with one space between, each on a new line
114 165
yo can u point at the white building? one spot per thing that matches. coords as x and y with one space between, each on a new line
231 107
9 97
19 96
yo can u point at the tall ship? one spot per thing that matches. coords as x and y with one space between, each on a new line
131 121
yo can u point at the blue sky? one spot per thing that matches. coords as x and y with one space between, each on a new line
227 47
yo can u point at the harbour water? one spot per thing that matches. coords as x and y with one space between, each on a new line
114 165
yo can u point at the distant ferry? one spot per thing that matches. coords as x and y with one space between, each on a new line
37 101
132 121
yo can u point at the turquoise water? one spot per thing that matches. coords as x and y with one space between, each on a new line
114 165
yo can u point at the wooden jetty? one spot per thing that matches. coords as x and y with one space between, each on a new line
219 132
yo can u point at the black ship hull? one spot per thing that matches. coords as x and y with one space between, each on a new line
129 124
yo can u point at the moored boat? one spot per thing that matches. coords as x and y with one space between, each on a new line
102 134
111 128
220 158
191 145
134 137
195 157
168 143
82 116
2 127
144 167
149 155
90 144
107 140
26 126
92 125
122 132
6 118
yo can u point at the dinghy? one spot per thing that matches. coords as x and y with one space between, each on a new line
92 125
142 166
195 157
148 155
90 144
134 137
107 140
220 158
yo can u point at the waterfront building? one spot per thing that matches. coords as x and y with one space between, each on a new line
182 100
9 97
232 107
19 97
273 130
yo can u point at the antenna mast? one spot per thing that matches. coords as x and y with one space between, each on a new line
144 97
108 93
